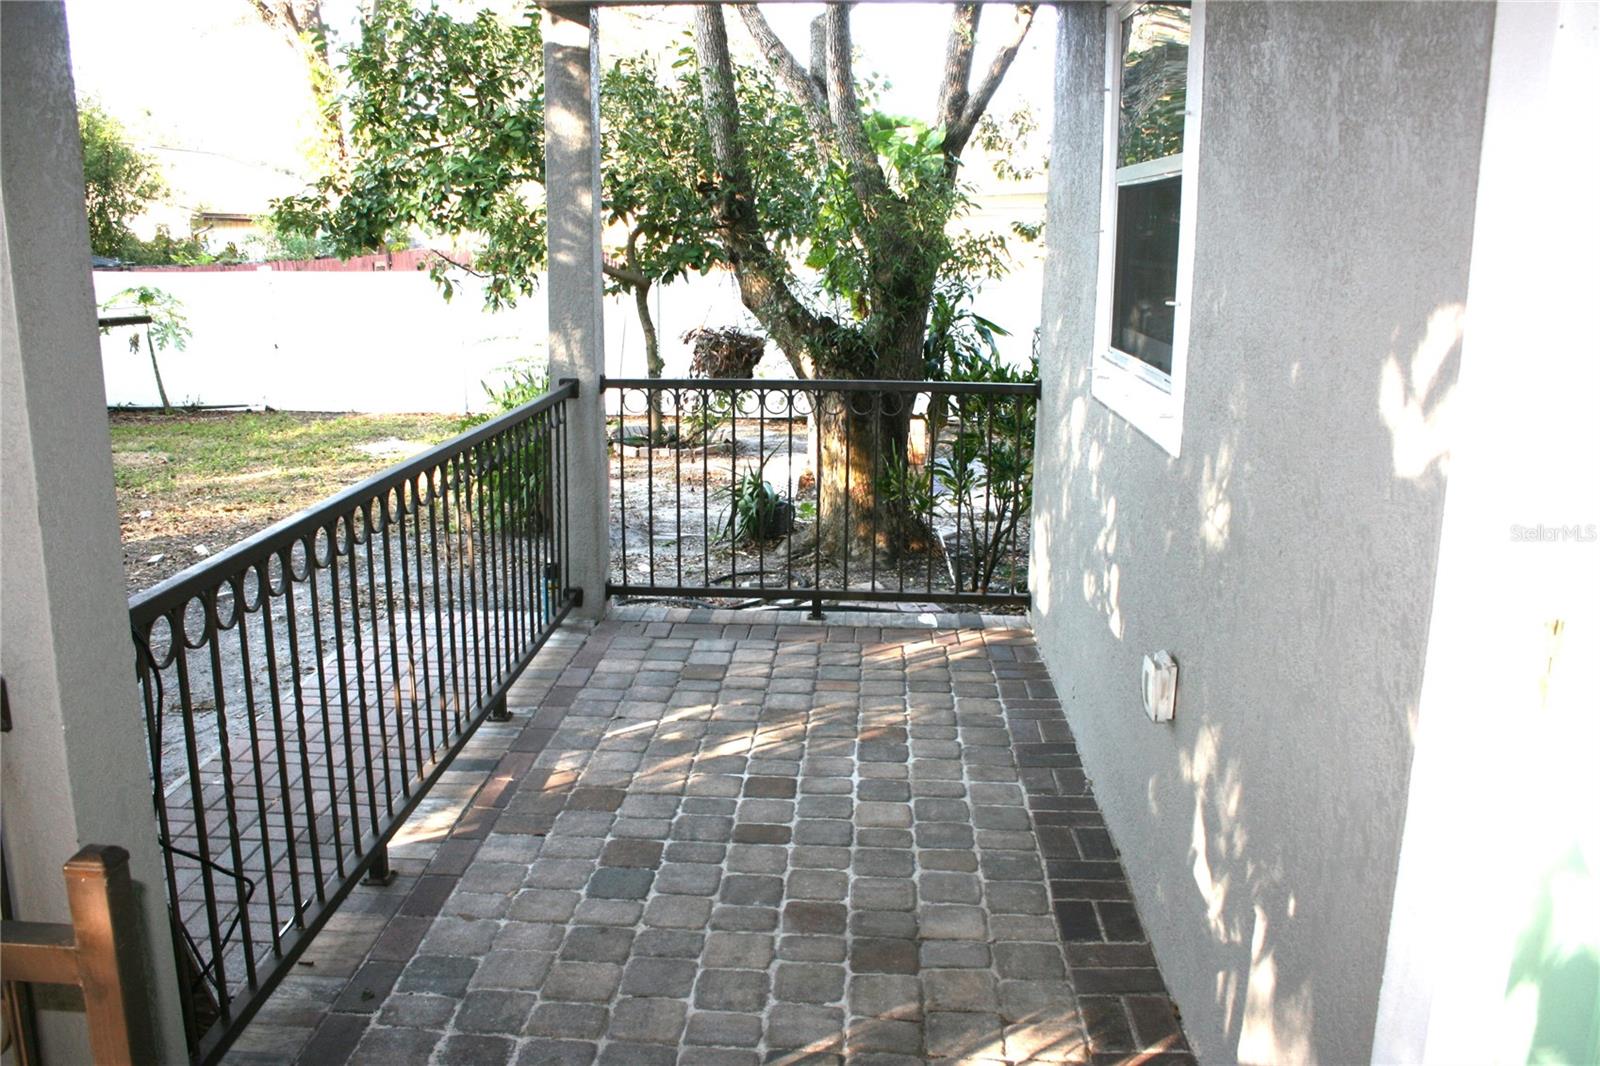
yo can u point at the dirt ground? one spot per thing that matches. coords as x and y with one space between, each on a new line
676 507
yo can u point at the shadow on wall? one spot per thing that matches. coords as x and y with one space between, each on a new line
1208 551
1554 981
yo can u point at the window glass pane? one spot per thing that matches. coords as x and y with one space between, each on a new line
1155 68
1146 277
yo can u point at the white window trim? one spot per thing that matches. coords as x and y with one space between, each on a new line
1150 400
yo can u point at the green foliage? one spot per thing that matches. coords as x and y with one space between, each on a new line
959 341
169 326
981 474
1009 141
277 243
524 382
164 249
757 511
513 480
988 469
446 136
118 180
847 246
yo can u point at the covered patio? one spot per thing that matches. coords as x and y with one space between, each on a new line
715 837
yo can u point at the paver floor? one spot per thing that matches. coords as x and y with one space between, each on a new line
713 838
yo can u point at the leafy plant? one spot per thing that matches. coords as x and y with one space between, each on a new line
758 512
167 328
514 481
118 181
987 471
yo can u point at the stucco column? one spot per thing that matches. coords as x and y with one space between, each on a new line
577 349
74 770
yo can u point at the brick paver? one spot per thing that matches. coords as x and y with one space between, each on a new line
733 838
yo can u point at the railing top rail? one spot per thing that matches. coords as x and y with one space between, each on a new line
964 388
145 607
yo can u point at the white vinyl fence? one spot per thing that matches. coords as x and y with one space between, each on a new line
389 342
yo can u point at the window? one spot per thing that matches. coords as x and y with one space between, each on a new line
1147 214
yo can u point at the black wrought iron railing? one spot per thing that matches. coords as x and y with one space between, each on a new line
814 491
305 688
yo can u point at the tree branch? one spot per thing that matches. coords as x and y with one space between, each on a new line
763 280
806 92
957 64
623 273
861 161
957 136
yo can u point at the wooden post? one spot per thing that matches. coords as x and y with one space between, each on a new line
98 951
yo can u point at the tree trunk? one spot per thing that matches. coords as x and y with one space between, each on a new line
166 405
653 362
863 510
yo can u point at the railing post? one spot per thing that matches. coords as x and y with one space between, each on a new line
105 919
100 951
576 346
380 874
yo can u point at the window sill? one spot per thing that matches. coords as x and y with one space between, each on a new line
1153 411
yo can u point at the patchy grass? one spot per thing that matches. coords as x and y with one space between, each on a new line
189 485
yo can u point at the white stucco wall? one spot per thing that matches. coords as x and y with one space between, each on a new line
1287 559
1494 944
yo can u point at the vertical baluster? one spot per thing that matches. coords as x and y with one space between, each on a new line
229 804
280 742
487 600
761 470
154 721
380 715
458 616
255 757
565 505
410 501
878 410
541 514
360 669
622 479
982 565
400 681
677 476
322 699
962 473
733 489
532 535
354 793
483 595
473 509
847 401
1022 470
503 503
516 535
905 508
788 469
814 442
705 485
514 541
651 397
202 829
934 541
307 781
445 606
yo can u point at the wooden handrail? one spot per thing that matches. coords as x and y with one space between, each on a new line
98 951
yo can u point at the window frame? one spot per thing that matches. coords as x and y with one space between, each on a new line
1140 393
